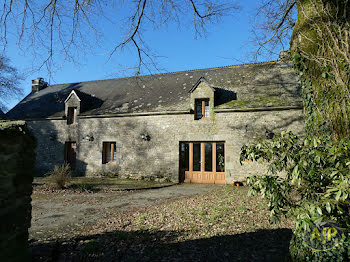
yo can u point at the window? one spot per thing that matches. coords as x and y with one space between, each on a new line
220 157
72 116
184 156
109 153
201 109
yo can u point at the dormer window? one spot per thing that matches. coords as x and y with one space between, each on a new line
202 100
72 108
72 116
202 109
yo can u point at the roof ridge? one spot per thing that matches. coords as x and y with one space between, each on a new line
174 72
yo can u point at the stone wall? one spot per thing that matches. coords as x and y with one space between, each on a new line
158 157
17 160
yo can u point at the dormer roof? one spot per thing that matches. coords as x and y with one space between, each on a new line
72 93
201 80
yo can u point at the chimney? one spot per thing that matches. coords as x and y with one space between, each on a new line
38 84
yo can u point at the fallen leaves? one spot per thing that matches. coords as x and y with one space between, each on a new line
194 227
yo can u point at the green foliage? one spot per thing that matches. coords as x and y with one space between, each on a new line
59 176
316 186
300 252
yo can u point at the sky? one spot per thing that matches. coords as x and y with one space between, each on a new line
226 43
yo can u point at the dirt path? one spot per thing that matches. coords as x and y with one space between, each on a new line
64 214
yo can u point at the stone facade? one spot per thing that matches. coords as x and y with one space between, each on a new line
158 157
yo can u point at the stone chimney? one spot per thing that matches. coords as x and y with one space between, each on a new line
38 84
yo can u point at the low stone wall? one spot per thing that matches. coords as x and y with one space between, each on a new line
17 159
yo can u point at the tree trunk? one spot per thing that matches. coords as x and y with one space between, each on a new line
321 52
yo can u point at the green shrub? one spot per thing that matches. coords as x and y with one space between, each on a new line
316 187
59 176
300 252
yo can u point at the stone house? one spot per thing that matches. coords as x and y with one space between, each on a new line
185 126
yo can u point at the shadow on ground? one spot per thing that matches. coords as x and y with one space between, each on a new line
262 245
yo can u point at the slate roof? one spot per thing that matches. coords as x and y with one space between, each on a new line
265 84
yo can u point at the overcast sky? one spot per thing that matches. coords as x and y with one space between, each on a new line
225 44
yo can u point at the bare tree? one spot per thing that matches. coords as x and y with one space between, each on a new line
9 83
52 28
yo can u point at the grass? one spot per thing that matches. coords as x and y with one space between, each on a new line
96 183
228 214
223 225
213 211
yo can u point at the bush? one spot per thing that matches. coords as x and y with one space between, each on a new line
316 187
300 252
59 176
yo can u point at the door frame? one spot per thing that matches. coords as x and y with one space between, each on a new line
70 153
202 176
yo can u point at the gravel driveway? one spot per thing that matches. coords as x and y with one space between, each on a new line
63 214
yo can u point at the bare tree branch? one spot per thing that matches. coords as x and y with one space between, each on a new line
273 25
53 29
9 83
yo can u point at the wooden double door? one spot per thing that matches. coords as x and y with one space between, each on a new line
202 162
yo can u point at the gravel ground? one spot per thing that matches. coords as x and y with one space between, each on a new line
178 223
59 214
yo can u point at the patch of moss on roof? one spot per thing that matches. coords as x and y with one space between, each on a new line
168 92
259 101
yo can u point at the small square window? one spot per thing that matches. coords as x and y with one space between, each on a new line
202 110
109 154
72 116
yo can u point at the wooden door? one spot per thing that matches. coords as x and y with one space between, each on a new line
206 162
70 154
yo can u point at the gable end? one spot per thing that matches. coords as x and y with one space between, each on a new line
201 80
69 96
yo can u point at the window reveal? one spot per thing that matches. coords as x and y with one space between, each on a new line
109 154
202 109
206 109
72 115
